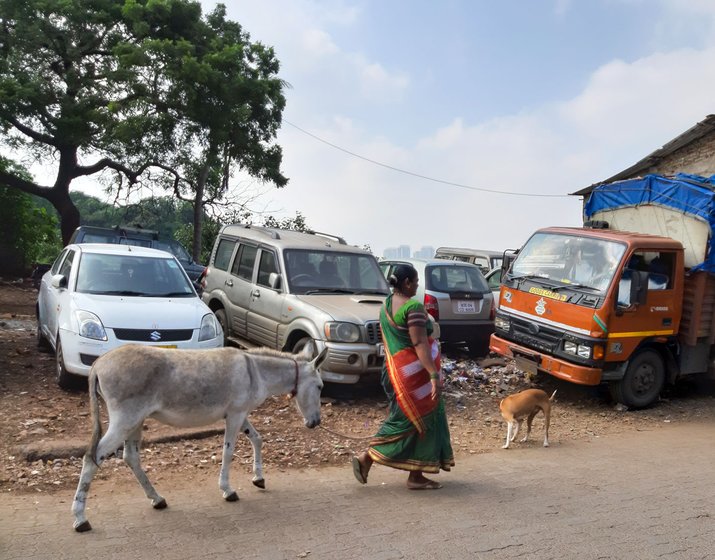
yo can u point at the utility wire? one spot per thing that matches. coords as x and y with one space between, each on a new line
460 185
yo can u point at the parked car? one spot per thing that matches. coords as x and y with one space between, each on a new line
485 260
124 235
100 296
457 297
282 289
493 278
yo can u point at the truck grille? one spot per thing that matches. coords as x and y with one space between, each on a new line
372 330
535 335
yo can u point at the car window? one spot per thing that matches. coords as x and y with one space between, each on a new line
56 265
98 238
455 279
66 265
223 254
266 265
244 262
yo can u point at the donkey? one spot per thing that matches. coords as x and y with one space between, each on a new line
186 388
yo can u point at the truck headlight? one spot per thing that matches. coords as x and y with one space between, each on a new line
580 350
502 323
342 332
210 328
89 325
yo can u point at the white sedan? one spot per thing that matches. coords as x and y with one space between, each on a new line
99 296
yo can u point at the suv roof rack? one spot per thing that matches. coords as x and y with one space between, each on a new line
263 229
327 235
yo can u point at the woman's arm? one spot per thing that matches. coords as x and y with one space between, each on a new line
418 335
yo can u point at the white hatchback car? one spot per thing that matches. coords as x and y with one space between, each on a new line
98 296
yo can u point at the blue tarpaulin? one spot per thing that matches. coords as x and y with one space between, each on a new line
690 194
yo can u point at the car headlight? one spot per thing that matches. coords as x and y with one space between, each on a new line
502 323
89 325
342 332
210 328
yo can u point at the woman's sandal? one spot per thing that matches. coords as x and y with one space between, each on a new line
428 485
357 471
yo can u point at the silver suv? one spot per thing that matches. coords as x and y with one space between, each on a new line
282 289
457 297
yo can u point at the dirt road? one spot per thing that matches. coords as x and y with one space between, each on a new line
636 495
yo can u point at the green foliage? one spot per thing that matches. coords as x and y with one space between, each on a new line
29 232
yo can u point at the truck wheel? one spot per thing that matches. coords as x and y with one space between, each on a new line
643 381
65 379
223 321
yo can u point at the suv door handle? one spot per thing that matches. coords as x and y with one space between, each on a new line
256 293
229 282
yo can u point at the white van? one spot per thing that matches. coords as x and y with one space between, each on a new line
486 260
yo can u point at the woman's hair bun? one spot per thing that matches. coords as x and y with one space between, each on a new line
392 280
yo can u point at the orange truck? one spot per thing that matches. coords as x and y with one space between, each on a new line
628 299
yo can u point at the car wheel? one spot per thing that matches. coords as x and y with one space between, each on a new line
223 321
302 343
643 381
65 379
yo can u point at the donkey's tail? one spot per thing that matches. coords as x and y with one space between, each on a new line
96 419
551 398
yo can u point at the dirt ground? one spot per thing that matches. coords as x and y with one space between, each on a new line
40 422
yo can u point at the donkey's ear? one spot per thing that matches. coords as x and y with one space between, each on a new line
320 358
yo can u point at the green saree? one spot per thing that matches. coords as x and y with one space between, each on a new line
415 435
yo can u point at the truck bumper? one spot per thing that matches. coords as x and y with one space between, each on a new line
543 362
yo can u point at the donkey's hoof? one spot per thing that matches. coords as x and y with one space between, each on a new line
83 527
232 497
161 504
260 482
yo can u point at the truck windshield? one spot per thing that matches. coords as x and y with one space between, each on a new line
568 261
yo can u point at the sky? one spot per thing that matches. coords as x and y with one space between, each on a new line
468 122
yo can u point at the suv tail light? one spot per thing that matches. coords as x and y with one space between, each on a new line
202 278
432 306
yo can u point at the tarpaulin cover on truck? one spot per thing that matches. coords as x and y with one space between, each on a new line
681 207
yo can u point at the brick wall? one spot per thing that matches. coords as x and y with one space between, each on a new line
697 158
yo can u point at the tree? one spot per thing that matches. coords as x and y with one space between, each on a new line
124 85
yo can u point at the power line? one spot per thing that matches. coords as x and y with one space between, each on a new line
450 183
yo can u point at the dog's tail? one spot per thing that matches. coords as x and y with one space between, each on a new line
551 398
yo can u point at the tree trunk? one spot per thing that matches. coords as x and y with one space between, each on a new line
199 213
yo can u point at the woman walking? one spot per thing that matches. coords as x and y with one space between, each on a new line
415 435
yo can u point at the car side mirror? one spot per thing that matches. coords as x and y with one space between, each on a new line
274 280
59 281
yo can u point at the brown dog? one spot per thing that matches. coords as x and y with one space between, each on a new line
527 403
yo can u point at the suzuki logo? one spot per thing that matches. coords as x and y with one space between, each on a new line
155 335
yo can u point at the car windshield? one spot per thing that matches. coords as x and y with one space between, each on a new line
568 260
314 271
129 275
445 278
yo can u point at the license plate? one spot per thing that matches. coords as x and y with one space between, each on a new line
380 349
526 365
466 307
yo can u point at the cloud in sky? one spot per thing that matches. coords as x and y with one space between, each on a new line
365 78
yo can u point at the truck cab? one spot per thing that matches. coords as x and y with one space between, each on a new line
593 305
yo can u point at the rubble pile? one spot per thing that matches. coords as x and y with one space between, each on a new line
495 377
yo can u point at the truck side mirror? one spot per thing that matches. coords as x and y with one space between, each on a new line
507 259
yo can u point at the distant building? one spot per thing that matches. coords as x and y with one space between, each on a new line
426 252
401 252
